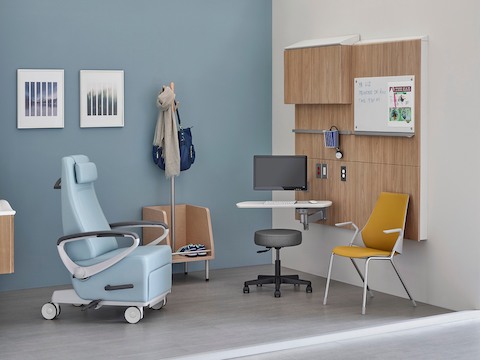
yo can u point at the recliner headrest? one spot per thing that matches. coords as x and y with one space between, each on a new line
85 172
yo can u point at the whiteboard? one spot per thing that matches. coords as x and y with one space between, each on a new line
384 105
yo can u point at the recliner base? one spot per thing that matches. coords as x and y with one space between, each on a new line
69 296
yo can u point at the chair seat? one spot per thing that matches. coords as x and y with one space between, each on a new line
278 238
358 252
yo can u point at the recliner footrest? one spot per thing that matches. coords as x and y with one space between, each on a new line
92 305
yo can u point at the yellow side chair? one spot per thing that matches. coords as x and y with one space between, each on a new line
382 237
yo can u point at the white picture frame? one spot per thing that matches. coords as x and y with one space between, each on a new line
40 98
101 98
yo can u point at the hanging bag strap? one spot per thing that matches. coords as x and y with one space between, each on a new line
178 116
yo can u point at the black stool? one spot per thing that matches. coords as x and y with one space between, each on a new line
277 238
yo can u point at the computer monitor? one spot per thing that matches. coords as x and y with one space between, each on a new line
280 172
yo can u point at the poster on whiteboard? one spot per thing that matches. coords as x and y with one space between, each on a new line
401 104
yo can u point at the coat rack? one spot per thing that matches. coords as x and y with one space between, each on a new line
172 190
195 222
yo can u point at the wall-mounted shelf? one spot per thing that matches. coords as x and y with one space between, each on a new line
349 132
310 131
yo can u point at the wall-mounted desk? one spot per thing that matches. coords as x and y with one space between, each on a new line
309 211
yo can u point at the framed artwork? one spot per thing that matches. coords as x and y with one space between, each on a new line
40 98
101 98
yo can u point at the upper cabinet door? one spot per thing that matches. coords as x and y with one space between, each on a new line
318 75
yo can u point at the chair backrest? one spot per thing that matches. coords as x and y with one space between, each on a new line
81 211
390 212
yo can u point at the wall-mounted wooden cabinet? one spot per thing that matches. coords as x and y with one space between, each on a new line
318 75
6 237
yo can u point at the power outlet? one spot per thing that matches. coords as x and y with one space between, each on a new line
321 171
343 173
324 171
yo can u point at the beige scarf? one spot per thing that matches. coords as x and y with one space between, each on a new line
166 132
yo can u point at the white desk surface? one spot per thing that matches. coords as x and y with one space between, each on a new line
5 208
298 205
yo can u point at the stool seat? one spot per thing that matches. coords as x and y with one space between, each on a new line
278 238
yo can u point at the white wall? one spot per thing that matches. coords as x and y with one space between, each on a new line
444 270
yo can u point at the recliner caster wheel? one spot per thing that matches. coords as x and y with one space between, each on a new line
277 293
133 314
50 311
308 289
246 290
160 304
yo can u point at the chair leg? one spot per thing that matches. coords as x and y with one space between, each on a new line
328 279
278 281
207 270
404 286
361 276
365 287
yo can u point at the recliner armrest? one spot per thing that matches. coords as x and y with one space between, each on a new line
142 224
83 272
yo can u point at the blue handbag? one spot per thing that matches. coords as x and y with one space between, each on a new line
185 143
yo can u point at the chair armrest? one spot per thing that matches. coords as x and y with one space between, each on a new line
391 231
346 223
354 226
83 272
398 247
142 224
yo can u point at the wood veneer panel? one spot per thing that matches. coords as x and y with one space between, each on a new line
297 75
6 244
322 117
331 75
387 150
316 187
319 75
387 58
390 59
391 178
341 193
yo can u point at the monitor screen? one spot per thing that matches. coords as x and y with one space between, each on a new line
280 172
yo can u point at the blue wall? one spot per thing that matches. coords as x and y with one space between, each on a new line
218 53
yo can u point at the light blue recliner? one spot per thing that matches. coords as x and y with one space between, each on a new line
104 272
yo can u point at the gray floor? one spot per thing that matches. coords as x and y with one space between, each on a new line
204 318
457 339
